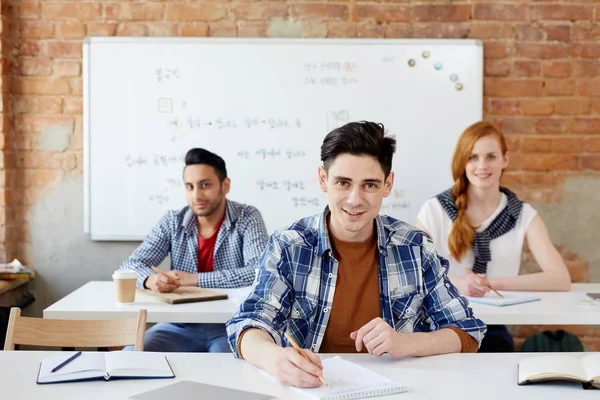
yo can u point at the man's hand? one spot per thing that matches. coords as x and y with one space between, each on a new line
162 284
291 369
185 278
474 285
380 338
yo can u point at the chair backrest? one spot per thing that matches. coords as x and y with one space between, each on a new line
74 333
552 341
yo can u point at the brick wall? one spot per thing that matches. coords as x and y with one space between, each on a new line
542 77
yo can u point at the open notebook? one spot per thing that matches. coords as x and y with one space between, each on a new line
112 365
561 367
346 380
510 298
186 294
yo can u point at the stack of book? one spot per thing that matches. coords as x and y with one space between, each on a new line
15 270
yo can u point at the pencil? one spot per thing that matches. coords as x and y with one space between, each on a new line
160 271
494 290
293 342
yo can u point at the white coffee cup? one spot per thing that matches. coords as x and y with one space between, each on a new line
125 281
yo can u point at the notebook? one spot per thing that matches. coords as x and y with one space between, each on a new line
107 366
510 298
346 380
188 390
561 368
186 294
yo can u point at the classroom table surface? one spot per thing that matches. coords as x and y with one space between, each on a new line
96 300
448 377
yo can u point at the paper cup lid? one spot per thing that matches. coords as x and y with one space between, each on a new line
124 274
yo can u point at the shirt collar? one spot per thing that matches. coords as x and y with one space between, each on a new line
190 222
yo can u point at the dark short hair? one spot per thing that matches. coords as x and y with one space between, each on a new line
202 156
359 138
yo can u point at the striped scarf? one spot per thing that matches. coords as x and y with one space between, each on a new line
504 222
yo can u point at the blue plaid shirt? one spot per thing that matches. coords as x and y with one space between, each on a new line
295 285
240 241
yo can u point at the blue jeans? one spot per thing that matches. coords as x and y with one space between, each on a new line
182 338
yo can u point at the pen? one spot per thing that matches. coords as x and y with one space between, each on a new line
469 270
160 271
68 360
293 342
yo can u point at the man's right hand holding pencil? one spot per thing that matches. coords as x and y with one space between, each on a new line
162 282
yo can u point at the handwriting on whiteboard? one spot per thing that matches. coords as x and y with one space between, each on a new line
248 122
271 153
164 73
285 184
330 73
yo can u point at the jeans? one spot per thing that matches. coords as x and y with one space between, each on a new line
184 337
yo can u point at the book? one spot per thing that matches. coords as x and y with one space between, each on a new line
561 367
346 380
107 366
186 294
510 298
188 390
6 276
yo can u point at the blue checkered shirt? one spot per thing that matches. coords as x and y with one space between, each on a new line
240 241
295 285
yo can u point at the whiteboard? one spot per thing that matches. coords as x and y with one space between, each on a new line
264 105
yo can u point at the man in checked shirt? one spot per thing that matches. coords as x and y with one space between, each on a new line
349 279
213 242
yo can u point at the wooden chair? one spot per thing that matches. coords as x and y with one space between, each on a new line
74 333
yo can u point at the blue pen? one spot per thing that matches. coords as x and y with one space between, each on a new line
68 360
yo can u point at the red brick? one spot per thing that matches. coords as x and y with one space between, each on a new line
528 32
526 68
590 161
556 69
101 29
76 10
223 29
586 30
514 162
341 29
370 30
596 105
76 85
536 145
585 125
446 13
39 123
505 107
313 29
31 29
438 30
71 30
37 104
501 12
524 126
398 30
538 106
542 50
513 142
498 49
252 28
585 50
559 87
575 106
497 67
45 86
586 68
62 49
549 162
320 11
132 29
24 10
561 145
66 68
563 12
381 13
258 11
34 66
46 177
26 48
551 126
195 12
193 29
512 87
162 29
558 33
592 144
490 30
147 11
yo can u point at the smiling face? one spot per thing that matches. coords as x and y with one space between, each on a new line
355 187
204 191
486 163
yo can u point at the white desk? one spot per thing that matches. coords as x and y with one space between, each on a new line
454 376
95 300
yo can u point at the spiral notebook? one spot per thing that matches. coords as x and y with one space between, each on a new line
346 380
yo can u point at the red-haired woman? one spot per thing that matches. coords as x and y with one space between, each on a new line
481 226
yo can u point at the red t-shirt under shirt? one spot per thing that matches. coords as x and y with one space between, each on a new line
206 250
